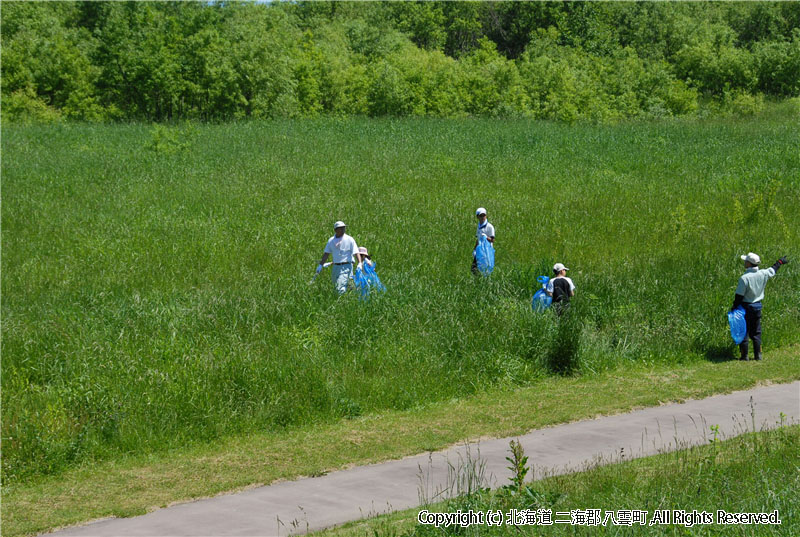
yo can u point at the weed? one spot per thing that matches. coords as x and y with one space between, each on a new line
519 462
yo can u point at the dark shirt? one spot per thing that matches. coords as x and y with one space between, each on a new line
560 290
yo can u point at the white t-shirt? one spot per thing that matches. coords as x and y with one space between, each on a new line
341 249
485 229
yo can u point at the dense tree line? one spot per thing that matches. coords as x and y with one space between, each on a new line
226 60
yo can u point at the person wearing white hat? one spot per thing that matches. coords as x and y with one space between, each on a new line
749 294
484 228
344 250
560 287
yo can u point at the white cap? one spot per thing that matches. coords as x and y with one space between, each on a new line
338 224
480 211
558 267
752 258
362 250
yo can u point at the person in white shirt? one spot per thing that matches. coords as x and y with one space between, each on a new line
560 287
484 228
749 294
342 247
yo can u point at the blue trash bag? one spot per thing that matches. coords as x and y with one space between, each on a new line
484 254
366 280
737 324
541 301
362 283
372 278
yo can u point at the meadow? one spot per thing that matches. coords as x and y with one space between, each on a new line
155 278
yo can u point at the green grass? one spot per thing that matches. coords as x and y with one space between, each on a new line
136 483
753 473
154 280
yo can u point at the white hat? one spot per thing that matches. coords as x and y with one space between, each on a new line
338 224
362 250
752 258
480 211
558 267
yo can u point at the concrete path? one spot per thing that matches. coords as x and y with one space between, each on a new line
314 503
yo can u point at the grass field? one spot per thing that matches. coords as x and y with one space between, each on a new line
754 473
154 279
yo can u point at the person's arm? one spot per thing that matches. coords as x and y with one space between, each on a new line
549 288
322 261
571 288
356 255
779 263
738 298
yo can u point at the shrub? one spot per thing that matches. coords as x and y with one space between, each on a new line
778 66
739 103
23 106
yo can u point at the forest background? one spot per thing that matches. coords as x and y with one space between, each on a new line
572 61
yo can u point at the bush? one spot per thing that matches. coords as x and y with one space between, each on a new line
714 69
23 106
388 94
739 103
778 66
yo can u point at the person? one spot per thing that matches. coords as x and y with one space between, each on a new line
749 294
560 287
342 247
484 228
365 257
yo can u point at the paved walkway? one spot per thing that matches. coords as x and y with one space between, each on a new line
314 503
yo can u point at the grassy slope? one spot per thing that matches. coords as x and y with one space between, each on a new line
154 279
754 473
136 484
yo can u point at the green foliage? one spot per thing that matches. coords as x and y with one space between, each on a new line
575 61
170 139
778 65
23 106
46 62
423 21
715 69
743 104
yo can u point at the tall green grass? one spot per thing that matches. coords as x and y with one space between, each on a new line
154 279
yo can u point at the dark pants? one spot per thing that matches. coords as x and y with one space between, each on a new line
475 266
561 306
752 316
